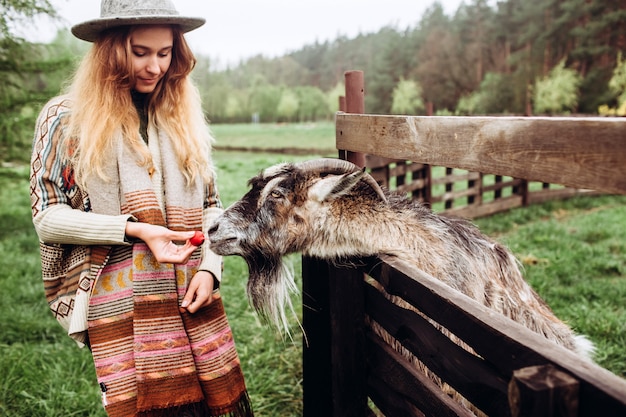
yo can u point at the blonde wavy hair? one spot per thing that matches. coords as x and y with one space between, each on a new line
100 95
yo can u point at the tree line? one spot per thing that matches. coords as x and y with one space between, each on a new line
514 57
517 57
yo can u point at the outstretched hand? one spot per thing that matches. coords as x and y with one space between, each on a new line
162 242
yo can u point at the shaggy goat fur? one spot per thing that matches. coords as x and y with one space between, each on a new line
341 213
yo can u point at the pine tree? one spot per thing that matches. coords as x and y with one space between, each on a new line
25 70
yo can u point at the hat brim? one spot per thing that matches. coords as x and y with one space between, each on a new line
89 30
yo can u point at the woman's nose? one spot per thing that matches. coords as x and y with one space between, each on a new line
153 65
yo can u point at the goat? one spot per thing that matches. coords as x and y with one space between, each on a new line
332 209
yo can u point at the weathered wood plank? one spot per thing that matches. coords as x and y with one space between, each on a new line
468 374
535 197
485 209
388 402
347 323
412 186
392 377
577 152
499 185
333 355
316 356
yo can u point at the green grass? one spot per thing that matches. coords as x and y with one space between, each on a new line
573 251
305 136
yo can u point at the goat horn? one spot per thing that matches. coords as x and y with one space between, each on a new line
338 166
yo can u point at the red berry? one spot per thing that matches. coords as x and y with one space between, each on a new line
197 239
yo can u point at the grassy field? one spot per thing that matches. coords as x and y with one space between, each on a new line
291 137
574 254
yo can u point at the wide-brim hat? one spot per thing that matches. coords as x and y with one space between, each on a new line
115 13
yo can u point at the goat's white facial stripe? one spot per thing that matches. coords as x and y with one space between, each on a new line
268 189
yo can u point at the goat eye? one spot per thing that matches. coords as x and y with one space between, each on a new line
276 194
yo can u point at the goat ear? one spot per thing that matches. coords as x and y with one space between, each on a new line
333 186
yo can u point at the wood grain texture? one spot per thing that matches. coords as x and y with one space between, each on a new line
576 152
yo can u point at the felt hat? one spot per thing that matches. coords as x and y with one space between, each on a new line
115 13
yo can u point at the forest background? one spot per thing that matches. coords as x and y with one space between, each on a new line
515 57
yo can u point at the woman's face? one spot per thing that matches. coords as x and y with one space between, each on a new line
151 55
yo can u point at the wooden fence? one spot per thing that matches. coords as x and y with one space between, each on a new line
460 192
350 371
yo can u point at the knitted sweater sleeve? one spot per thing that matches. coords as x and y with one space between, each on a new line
55 197
62 224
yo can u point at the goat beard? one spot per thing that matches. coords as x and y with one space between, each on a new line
269 289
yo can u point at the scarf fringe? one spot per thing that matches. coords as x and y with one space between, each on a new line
242 408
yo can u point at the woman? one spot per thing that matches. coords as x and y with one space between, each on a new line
121 177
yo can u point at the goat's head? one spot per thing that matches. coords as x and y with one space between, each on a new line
278 216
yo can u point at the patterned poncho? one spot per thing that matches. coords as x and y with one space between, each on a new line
151 358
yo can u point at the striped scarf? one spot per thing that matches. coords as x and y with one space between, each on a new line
151 358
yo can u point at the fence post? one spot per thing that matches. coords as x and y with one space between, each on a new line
355 103
543 391
333 317
347 304
522 190
316 356
343 154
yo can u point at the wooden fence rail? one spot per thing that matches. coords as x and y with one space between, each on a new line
571 151
500 158
347 368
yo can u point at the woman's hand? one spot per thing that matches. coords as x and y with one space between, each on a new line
200 292
161 241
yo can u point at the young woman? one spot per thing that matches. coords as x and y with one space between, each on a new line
121 178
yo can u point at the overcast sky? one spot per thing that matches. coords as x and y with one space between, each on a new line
238 29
